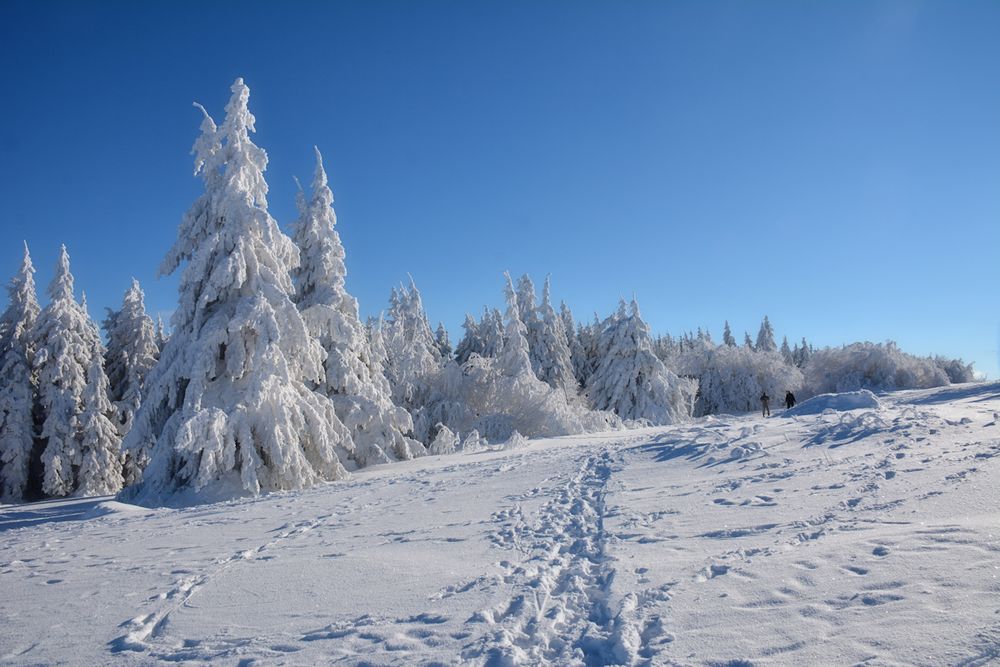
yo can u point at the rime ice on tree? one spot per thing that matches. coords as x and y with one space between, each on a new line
17 382
70 380
227 405
352 375
630 380
133 348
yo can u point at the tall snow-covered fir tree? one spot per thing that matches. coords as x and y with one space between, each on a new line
515 358
630 380
66 341
786 352
17 382
227 409
353 377
100 442
747 341
133 348
491 332
413 355
471 342
551 358
765 337
577 355
442 341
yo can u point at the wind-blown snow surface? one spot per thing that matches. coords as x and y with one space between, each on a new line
836 538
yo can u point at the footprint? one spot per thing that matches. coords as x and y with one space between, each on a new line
880 551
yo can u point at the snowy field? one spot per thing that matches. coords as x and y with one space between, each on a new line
869 535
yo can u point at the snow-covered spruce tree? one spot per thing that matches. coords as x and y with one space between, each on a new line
491 332
471 343
765 337
17 382
100 442
352 377
133 349
577 356
227 410
551 356
161 333
66 341
727 336
412 354
630 380
515 357
802 353
442 341
786 352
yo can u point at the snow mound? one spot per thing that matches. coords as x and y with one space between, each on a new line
113 507
852 400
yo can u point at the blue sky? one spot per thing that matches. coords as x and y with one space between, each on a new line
833 165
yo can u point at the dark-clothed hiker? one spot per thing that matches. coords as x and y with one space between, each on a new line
764 400
789 400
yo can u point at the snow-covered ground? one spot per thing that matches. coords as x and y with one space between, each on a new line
841 537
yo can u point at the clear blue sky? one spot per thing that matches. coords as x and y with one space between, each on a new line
835 165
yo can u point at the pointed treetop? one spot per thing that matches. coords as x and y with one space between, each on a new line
61 287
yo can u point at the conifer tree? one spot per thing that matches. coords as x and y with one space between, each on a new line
369 424
515 358
727 336
65 341
413 357
551 358
577 355
133 349
747 341
100 442
471 342
765 337
227 406
17 382
442 341
786 352
630 380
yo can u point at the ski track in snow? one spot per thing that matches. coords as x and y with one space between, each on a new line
869 536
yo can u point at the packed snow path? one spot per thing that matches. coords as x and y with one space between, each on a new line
864 536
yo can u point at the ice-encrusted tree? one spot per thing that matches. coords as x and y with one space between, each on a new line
802 353
66 341
727 336
765 337
786 352
630 380
491 332
412 354
577 355
367 422
471 342
17 382
747 341
227 406
551 355
100 442
132 352
442 341
515 358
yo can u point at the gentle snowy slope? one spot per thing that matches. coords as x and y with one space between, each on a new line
869 535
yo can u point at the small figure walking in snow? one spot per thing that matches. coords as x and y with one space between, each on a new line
764 400
789 400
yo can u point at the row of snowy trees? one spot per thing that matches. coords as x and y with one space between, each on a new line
66 400
269 379
731 377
